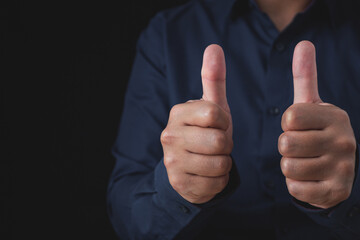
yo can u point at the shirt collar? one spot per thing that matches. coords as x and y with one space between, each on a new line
238 8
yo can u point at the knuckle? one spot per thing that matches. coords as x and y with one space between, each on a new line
178 183
286 166
346 168
346 144
219 140
169 161
222 165
290 118
284 144
176 111
293 189
211 112
342 115
167 137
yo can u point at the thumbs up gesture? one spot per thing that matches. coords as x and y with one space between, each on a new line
197 140
318 144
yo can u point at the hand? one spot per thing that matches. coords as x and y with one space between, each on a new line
197 140
318 144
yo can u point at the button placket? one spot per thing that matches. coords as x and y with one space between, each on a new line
279 47
274 111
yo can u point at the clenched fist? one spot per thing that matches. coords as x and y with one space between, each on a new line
318 144
197 140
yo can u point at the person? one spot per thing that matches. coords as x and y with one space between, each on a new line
244 148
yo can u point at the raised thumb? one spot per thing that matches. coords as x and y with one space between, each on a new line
305 74
213 74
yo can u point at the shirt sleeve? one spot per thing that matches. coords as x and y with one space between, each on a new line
344 218
141 202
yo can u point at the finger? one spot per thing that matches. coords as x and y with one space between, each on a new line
208 141
306 169
303 144
307 116
200 113
207 165
197 189
312 192
305 74
213 75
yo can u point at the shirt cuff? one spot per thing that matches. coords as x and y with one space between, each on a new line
180 209
343 217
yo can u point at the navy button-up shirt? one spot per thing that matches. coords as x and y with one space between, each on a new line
141 202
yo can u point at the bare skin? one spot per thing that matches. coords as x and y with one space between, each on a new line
318 144
282 12
197 141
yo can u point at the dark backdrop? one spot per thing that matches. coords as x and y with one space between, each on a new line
64 67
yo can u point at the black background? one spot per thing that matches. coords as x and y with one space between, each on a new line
64 67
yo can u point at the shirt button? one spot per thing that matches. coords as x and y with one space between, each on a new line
354 211
184 209
280 47
274 111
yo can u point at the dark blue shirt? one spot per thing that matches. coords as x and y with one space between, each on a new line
141 202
